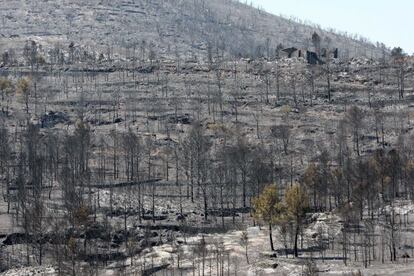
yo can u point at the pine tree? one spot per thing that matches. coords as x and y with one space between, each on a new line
268 208
296 201
23 92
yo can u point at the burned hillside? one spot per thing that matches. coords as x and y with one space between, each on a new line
160 151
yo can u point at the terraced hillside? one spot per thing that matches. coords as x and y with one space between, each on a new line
175 27
167 138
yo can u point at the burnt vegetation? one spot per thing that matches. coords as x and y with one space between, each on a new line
113 153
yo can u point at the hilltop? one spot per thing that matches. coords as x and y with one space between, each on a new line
184 28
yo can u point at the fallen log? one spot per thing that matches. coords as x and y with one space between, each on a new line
125 184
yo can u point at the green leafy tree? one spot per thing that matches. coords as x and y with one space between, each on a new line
268 208
296 203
